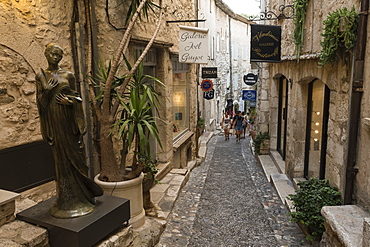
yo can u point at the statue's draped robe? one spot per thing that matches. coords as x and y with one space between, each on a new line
62 126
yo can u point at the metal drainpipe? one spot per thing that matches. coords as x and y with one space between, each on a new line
231 64
355 107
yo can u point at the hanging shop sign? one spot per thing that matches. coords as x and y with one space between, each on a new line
193 45
206 85
252 104
209 94
209 72
250 79
265 43
249 95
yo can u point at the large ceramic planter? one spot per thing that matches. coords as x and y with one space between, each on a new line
132 190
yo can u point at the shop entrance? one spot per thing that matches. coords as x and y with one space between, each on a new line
282 116
316 130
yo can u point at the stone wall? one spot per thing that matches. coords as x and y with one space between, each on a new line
299 75
26 27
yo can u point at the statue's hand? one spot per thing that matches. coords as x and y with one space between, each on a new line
63 99
52 83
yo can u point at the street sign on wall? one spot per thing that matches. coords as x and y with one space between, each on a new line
250 79
206 85
209 94
249 95
209 72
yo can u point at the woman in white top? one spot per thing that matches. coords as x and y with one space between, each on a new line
226 124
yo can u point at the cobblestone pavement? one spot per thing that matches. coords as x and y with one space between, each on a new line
229 202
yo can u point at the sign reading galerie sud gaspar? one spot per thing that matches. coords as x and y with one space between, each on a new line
193 45
265 43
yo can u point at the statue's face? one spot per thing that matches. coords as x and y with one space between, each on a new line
54 55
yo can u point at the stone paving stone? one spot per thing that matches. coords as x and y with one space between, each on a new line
229 202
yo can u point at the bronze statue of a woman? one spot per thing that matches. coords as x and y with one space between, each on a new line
62 126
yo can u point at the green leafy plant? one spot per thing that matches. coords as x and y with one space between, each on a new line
300 8
137 122
200 122
257 142
339 27
308 201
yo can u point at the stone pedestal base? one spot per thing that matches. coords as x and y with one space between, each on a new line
110 213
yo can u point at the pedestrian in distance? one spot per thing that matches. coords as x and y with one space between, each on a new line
238 125
244 124
226 124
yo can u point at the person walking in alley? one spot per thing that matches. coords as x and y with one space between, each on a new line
225 124
244 124
238 125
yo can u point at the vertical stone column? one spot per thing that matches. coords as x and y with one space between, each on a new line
164 73
263 110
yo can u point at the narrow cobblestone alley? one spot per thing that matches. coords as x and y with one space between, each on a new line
229 202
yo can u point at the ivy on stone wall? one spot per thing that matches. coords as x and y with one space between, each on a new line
300 8
340 27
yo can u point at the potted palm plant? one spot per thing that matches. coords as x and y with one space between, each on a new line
127 104
136 125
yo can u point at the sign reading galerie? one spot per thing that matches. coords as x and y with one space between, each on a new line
265 43
193 45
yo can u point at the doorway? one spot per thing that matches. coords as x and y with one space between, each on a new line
316 130
282 116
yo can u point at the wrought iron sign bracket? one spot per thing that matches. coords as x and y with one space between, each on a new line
178 21
286 12
180 17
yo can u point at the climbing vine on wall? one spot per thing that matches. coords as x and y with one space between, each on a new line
339 27
300 8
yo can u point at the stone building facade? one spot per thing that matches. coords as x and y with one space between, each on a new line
27 26
229 53
307 110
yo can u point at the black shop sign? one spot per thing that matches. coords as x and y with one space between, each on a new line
209 94
250 79
265 43
209 72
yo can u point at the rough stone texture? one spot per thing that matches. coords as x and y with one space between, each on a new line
26 27
336 77
366 233
343 225
19 233
7 212
229 202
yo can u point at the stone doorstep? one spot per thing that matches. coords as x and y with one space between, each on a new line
347 222
279 162
163 170
284 187
268 166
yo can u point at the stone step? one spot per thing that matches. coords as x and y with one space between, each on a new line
279 162
163 170
284 187
268 166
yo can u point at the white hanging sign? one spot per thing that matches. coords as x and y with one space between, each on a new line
193 45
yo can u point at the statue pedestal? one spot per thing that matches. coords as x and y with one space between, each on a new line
109 214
